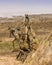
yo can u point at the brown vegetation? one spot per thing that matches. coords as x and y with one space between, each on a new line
42 55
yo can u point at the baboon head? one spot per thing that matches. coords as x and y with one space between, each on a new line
26 19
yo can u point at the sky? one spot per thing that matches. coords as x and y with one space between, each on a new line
20 7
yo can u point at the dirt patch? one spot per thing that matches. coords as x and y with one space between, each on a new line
8 60
7 39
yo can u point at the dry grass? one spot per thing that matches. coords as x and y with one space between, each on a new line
43 54
8 60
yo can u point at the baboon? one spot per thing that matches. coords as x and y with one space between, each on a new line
30 34
19 34
12 33
27 29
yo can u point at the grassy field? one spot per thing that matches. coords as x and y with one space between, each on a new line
42 26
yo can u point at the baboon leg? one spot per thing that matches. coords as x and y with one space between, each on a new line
18 55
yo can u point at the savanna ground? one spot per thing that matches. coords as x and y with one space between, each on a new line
42 27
